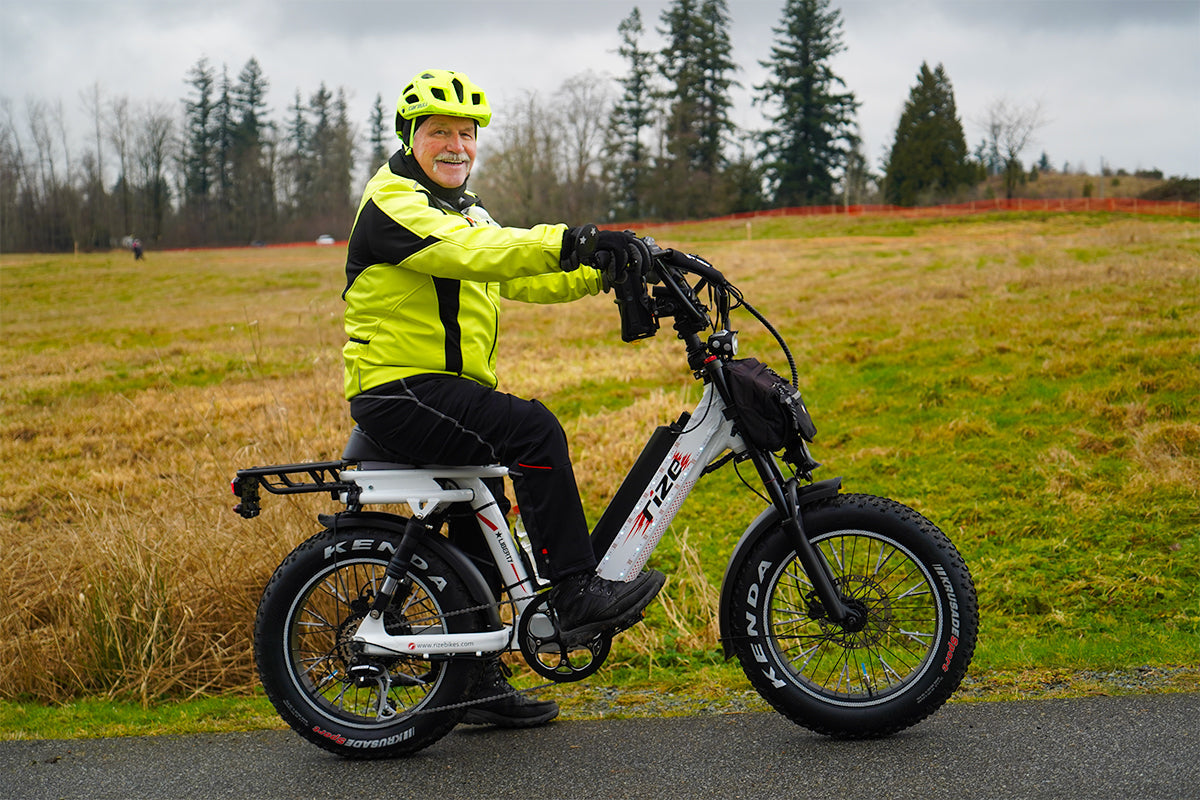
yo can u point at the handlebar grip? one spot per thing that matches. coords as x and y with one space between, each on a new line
695 265
636 307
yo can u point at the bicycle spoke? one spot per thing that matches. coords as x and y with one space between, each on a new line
322 624
901 614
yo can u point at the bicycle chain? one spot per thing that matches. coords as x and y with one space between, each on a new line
478 700
467 610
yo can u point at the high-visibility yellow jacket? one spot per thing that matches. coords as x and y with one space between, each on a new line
424 273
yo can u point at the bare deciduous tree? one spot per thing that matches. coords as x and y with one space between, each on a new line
522 165
119 130
583 102
1010 129
151 157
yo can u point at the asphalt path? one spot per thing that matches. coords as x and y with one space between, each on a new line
1143 747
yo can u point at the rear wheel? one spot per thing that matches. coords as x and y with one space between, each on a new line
921 619
354 705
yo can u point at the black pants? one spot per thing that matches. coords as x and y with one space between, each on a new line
450 421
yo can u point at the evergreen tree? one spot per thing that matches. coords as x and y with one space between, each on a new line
297 175
199 146
340 167
812 129
696 64
716 65
224 135
630 120
742 187
331 150
378 137
251 156
928 160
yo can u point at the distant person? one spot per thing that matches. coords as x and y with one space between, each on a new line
426 267
137 249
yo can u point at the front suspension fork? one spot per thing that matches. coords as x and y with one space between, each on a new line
784 497
850 617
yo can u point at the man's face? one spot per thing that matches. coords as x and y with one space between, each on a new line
445 148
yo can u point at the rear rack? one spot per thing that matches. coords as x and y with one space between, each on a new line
314 476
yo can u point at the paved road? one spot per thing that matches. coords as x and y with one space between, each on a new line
1145 747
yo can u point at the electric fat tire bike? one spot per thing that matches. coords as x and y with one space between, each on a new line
852 615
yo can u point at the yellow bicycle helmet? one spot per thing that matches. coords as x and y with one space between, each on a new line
439 91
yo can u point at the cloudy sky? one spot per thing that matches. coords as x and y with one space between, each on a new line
1118 81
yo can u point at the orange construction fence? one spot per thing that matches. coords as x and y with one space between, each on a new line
1132 205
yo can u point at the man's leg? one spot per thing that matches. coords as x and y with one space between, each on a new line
449 420
456 421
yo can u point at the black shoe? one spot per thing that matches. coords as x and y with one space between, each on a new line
588 604
507 707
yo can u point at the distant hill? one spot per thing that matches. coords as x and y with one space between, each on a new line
1056 185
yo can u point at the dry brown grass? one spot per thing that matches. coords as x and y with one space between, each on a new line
1057 185
131 394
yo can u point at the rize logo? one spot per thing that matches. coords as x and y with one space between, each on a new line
663 488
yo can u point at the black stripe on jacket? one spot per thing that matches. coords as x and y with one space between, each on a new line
448 303
379 239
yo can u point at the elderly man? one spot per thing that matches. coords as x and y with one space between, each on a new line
425 269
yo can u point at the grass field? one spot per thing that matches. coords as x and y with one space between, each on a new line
1029 382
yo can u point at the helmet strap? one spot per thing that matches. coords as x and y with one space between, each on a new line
407 129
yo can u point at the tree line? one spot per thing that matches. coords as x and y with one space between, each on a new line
658 143
222 173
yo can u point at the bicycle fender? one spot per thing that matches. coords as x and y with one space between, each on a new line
472 577
805 495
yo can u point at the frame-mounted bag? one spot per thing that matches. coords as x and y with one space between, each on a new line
772 411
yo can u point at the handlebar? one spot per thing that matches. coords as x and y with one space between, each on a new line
673 296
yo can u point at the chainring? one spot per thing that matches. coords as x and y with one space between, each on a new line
548 654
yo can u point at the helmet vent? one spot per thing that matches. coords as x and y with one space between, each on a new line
439 94
458 88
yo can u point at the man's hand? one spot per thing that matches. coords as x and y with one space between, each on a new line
612 252
578 247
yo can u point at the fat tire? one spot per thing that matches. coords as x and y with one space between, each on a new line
920 636
301 646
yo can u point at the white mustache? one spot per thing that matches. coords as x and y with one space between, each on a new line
451 158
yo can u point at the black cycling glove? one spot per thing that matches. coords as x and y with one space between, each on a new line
578 247
608 251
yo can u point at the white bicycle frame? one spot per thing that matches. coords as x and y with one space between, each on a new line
707 436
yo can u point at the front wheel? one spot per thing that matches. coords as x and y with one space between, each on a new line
354 705
921 619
